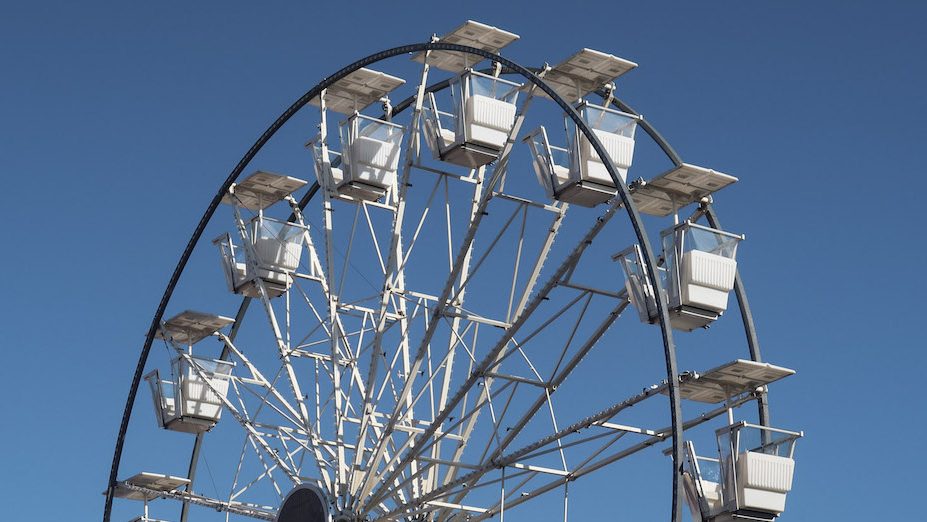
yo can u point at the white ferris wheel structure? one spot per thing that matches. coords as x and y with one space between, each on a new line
416 317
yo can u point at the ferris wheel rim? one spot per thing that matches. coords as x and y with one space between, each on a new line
623 192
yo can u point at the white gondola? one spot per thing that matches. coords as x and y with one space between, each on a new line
272 256
577 174
188 402
480 120
749 478
366 168
698 274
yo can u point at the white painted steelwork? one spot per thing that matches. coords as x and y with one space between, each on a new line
413 327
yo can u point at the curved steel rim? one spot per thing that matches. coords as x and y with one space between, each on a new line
633 215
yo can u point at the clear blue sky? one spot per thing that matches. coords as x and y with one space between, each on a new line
118 120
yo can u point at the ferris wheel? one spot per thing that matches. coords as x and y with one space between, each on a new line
418 326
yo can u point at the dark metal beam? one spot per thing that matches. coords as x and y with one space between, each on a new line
749 328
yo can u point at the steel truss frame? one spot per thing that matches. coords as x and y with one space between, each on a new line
409 475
